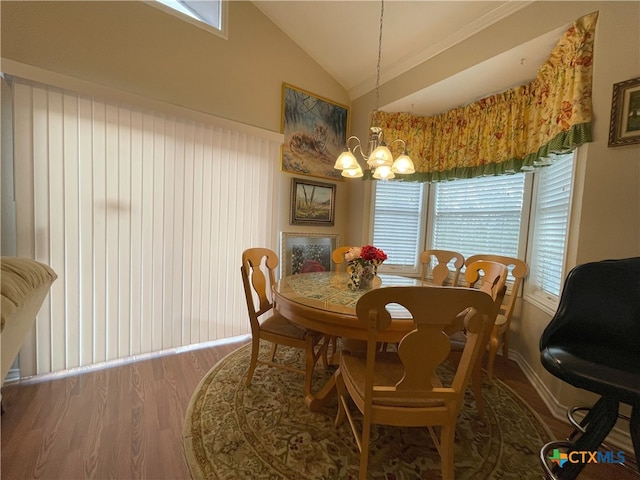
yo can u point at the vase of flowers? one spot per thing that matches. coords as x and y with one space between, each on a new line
362 265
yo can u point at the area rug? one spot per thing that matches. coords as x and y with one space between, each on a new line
265 431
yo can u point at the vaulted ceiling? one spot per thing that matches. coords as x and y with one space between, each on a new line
342 36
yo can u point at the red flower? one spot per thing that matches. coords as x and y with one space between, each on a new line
369 252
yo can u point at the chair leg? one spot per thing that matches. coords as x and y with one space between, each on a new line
274 347
310 363
255 348
364 448
494 343
447 434
505 345
340 390
325 349
634 428
476 386
597 423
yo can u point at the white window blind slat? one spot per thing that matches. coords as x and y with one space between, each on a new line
551 215
479 215
398 220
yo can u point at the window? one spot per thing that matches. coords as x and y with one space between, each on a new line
478 215
520 215
552 191
200 12
398 214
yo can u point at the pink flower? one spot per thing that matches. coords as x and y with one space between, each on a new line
352 254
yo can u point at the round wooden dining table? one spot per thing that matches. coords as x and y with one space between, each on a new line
323 301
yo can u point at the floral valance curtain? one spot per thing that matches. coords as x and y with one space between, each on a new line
510 131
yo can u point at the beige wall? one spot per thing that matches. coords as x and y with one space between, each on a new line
142 50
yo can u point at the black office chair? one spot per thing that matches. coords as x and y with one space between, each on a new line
593 343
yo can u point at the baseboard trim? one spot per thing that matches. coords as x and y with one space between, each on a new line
128 360
617 438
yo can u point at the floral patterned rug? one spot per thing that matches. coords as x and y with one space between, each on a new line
265 431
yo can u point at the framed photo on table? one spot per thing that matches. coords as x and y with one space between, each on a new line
625 113
315 132
312 203
306 252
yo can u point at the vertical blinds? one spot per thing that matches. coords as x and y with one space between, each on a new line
479 215
398 213
551 215
144 217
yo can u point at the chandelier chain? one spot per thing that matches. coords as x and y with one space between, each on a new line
375 115
379 158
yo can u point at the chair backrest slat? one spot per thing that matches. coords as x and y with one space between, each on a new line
491 275
440 272
519 270
434 310
257 270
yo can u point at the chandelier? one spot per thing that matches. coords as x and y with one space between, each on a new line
379 159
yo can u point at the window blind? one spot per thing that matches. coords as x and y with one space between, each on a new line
143 216
479 215
551 214
398 223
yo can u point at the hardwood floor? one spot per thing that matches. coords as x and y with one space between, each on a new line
126 422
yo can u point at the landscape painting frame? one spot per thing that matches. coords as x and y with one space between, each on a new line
312 203
315 133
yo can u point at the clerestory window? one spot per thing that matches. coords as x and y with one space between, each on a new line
200 12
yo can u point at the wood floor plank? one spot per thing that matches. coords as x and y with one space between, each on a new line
126 422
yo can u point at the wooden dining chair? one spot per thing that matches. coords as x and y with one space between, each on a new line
490 278
406 388
258 266
441 273
337 257
500 334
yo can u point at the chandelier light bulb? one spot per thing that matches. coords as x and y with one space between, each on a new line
403 164
381 156
383 172
346 161
355 172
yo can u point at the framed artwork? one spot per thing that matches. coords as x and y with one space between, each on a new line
315 133
306 252
625 113
312 203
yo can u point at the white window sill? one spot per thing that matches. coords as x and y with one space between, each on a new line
544 301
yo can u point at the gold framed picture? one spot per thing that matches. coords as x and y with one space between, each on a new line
315 133
625 113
